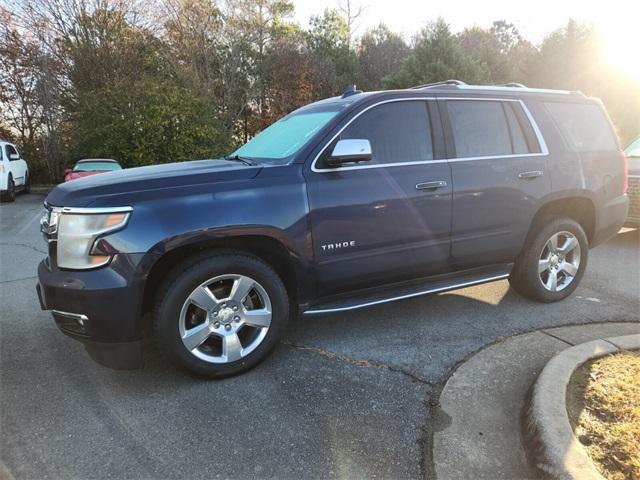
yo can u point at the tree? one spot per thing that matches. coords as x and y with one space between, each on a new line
130 103
252 26
29 102
437 56
380 54
351 14
328 40
572 58
500 49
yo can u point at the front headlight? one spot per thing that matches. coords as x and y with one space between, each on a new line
77 231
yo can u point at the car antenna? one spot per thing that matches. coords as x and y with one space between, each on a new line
350 90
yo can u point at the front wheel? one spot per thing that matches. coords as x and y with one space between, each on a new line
552 261
219 314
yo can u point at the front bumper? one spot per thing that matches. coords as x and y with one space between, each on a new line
101 307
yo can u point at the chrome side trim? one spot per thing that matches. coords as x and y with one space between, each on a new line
544 151
633 176
409 295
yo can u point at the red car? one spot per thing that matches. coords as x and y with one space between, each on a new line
90 166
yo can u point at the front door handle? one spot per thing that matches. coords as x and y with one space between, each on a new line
531 174
431 185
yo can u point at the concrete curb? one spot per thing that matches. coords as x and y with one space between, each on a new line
553 450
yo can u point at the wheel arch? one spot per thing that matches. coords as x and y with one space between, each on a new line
265 247
579 208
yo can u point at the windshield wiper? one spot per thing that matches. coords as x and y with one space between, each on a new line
238 158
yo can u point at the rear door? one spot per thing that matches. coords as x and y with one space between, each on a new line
499 173
387 219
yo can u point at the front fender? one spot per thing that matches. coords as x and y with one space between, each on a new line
273 205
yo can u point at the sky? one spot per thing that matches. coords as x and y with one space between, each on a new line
533 19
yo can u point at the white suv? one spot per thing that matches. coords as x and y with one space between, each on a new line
14 173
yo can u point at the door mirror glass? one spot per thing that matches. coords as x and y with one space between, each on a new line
350 151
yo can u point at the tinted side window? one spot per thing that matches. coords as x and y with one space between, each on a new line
10 151
479 128
518 140
398 132
585 127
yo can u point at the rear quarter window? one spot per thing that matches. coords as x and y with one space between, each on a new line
585 127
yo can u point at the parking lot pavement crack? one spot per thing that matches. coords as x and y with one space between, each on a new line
31 247
556 337
356 362
18 280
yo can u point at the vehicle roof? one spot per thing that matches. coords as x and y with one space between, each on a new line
457 88
97 160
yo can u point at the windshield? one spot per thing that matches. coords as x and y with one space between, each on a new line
96 166
288 135
633 150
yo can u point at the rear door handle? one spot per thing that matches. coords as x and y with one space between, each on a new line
532 174
431 185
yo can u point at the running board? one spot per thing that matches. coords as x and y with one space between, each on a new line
416 288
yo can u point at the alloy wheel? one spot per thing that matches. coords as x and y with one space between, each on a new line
225 318
559 261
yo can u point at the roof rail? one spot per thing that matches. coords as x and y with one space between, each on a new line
513 84
437 84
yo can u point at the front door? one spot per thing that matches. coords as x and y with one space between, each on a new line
387 219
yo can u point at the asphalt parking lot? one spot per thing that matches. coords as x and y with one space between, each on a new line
344 396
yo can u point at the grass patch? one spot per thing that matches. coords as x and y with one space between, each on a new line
603 402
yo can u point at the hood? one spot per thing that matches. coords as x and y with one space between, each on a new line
129 184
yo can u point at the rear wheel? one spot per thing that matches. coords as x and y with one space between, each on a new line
10 194
27 183
220 314
552 262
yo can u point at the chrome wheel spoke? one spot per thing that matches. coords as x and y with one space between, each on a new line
257 318
552 281
241 288
543 265
194 337
570 244
569 268
552 244
231 347
203 298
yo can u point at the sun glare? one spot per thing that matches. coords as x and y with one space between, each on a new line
621 48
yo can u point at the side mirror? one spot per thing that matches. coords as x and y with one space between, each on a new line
67 171
14 156
350 151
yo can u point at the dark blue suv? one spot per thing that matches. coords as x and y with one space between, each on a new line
346 203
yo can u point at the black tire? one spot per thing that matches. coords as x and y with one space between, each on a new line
192 273
526 278
10 194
